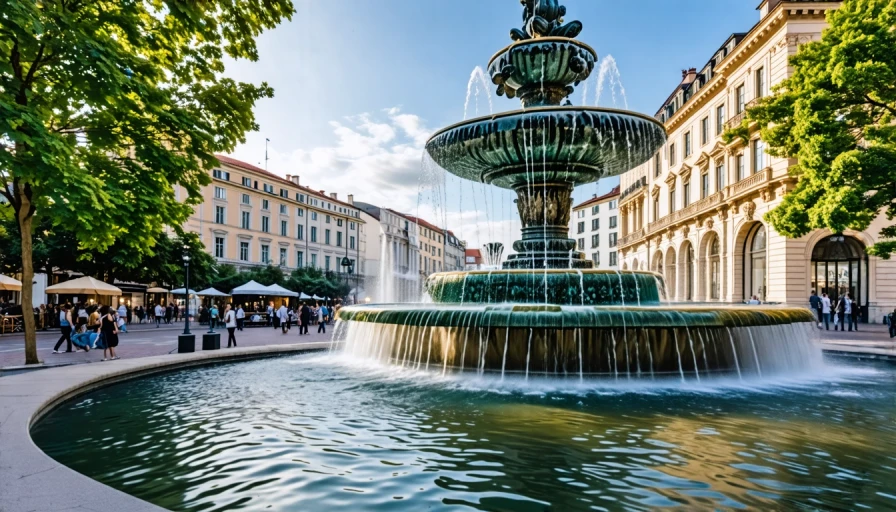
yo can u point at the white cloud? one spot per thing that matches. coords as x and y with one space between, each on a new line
379 159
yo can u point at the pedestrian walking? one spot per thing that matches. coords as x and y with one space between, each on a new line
240 317
282 318
892 318
322 319
847 312
213 317
65 323
305 317
122 313
109 329
856 313
839 314
231 323
271 314
826 310
169 312
815 304
159 314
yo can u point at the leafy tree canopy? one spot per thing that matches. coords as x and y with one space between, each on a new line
105 105
836 115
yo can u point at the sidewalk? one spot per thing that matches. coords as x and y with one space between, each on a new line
872 340
143 341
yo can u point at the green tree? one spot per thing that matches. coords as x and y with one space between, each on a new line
836 115
106 104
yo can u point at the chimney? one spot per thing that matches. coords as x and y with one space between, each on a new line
333 195
294 179
351 199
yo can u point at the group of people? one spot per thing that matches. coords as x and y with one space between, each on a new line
285 316
91 327
844 312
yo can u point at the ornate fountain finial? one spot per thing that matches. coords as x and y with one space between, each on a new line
544 18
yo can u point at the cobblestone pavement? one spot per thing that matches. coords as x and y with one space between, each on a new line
146 340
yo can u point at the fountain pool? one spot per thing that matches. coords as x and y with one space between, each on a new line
326 432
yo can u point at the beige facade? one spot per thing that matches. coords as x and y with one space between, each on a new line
695 212
431 243
250 217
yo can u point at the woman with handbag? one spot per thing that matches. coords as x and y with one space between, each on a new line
109 330
230 323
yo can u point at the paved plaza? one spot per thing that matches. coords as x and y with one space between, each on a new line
144 340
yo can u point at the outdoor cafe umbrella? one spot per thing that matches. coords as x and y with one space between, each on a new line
279 291
156 290
251 288
315 297
304 296
9 284
182 291
84 285
211 292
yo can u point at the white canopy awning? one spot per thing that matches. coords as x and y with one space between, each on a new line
304 296
9 284
279 291
315 297
183 291
211 292
156 289
85 285
251 288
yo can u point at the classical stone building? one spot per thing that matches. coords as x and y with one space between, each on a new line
394 277
594 225
695 212
251 217
454 252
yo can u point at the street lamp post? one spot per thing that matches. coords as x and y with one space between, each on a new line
187 289
186 342
347 264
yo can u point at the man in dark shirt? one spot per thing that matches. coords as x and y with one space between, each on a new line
815 304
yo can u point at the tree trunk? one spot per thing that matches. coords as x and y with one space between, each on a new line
25 215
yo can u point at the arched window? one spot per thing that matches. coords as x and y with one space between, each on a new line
755 264
715 269
840 265
669 273
691 274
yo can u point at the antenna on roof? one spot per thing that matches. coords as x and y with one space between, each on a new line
266 140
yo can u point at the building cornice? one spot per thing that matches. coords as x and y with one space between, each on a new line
759 35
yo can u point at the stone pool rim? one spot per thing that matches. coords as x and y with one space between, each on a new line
32 480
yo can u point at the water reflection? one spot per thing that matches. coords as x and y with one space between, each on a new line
311 431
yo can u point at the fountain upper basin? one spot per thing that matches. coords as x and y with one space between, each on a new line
586 287
574 145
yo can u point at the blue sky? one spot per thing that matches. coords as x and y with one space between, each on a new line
360 84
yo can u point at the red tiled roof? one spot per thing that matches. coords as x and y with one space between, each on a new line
224 159
475 253
609 195
422 222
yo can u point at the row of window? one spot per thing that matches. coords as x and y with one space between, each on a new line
687 138
613 238
284 193
246 223
264 255
595 224
612 205
595 257
758 163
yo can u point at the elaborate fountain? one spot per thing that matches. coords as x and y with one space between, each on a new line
548 311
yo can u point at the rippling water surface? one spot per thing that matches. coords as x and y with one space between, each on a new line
319 433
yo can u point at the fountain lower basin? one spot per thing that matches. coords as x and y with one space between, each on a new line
579 341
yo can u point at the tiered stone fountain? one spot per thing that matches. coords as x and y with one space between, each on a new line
548 311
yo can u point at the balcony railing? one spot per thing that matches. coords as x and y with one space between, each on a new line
632 238
737 119
742 187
